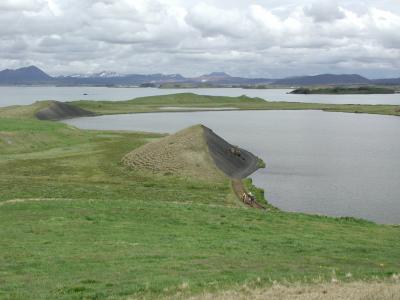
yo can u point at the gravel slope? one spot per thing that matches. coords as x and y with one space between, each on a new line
234 166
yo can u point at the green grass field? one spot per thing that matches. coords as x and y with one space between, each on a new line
77 224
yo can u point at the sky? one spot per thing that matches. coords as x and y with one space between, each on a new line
249 38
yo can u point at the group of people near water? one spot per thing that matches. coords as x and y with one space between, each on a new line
248 198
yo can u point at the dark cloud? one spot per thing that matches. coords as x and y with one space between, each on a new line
21 5
324 11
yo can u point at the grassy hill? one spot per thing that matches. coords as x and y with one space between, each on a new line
78 224
195 152
156 103
184 153
23 111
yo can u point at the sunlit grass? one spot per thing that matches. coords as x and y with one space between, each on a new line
75 223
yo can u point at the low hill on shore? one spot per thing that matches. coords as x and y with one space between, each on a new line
49 110
196 152
60 110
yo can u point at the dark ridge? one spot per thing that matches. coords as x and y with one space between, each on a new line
387 81
59 111
28 75
343 79
236 166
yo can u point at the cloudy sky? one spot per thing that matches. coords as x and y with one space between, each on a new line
268 38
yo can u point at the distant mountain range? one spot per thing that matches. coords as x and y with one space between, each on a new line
34 76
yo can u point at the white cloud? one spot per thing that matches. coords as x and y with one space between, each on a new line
211 21
274 38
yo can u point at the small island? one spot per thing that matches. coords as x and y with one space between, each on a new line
339 90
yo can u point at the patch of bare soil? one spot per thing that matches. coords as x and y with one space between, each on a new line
328 291
233 161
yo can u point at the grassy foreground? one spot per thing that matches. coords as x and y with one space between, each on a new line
76 224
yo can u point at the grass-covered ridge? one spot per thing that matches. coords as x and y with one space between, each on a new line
23 111
157 103
77 224
184 153
192 102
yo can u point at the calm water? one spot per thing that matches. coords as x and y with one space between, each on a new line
28 95
328 163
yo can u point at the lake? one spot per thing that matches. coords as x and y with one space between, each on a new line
333 164
11 95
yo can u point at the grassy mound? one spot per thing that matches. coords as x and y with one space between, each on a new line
44 110
23 111
184 153
196 152
59 111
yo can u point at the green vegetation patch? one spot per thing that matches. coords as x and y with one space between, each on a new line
28 135
134 248
156 103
